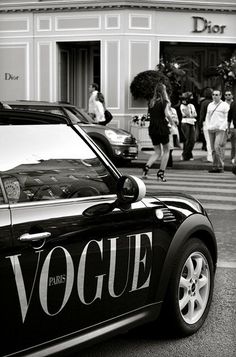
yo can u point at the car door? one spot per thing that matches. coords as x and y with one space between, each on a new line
7 286
68 272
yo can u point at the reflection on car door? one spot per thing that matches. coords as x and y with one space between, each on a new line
89 270
7 296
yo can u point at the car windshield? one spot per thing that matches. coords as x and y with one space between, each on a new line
39 108
81 116
76 115
50 158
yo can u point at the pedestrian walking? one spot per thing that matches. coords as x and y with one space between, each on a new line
231 132
159 130
202 121
99 109
216 123
200 125
189 115
93 91
96 104
174 138
104 113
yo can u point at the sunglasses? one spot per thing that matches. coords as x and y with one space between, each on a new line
215 94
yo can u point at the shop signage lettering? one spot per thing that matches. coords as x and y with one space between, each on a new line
200 24
11 77
137 276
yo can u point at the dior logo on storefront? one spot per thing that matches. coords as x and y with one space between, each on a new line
200 24
11 77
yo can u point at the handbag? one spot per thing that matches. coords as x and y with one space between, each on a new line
108 116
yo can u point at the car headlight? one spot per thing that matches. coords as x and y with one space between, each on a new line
115 137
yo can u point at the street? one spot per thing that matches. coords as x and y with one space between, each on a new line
217 193
217 336
88 91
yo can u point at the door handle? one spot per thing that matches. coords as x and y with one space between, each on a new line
34 237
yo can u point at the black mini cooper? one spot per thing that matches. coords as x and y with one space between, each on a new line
83 253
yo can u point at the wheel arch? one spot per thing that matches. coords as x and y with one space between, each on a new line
195 226
98 138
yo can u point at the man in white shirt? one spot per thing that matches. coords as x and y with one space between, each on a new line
216 123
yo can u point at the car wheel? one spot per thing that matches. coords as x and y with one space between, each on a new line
190 290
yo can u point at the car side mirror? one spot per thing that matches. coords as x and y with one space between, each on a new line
130 189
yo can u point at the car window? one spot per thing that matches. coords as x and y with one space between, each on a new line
73 117
50 162
1 197
41 108
81 115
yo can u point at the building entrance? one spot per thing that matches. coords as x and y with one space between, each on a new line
79 65
199 61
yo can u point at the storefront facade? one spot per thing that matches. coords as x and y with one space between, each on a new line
53 50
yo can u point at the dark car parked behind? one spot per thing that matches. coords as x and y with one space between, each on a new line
118 144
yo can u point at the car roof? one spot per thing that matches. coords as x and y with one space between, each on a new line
38 102
35 103
25 117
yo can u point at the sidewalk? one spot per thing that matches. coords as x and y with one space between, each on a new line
199 162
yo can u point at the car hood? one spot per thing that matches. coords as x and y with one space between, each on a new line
183 203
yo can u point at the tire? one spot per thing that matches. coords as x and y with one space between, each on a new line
190 289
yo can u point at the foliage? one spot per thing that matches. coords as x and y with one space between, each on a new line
227 71
143 84
174 73
181 70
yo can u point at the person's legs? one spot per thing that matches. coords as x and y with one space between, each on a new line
191 140
186 129
208 145
155 156
233 144
212 136
170 159
203 138
220 142
165 156
164 160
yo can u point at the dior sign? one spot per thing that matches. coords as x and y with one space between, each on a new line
200 25
11 77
